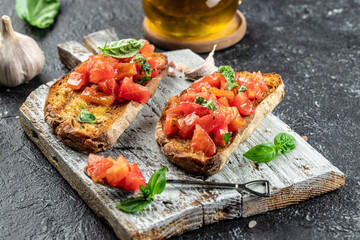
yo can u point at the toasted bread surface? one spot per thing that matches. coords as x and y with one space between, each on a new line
62 107
179 151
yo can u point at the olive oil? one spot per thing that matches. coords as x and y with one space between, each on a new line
190 17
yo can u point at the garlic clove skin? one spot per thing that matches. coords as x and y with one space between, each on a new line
21 58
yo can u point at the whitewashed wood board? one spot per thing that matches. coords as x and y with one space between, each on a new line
294 177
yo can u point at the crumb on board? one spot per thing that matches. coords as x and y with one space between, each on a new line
268 130
252 224
171 64
305 138
180 67
172 74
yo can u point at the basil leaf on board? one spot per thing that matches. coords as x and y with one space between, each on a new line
145 66
38 13
157 182
264 152
146 193
123 48
284 142
229 75
86 116
242 88
226 137
132 205
209 104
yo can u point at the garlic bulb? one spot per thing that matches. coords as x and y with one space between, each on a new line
21 58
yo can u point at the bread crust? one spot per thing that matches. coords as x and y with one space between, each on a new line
177 150
108 134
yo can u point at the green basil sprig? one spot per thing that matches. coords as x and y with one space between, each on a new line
145 66
156 185
226 137
229 75
123 48
38 13
209 104
86 116
266 152
242 88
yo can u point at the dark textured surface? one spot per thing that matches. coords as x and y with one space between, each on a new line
314 45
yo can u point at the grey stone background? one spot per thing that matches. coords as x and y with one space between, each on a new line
313 45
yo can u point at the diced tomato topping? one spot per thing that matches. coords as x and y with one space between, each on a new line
133 180
206 125
109 86
133 91
187 125
190 107
222 93
77 80
218 135
213 80
117 172
209 122
97 167
124 70
243 104
101 68
94 96
201 141
171 124
235 124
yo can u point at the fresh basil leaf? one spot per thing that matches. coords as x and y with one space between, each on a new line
86 116
123 48
229 75
226 137
38 13
284 142
132 205
146 193
242 88
264 152
157 182
209 104
145 66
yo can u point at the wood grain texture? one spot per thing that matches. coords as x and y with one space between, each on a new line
294 177
98 39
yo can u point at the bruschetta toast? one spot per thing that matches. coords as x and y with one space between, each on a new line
90 107
200 128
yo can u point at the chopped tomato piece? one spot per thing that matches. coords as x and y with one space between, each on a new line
77 80
94 96
133 91
102 68
243 104
175 110
97 167
209 122
109 86
236 123
222 93
224 101
118 171
171 124
213 80
133 180
190 107
187 125
201 141
124 70
218 135
190 97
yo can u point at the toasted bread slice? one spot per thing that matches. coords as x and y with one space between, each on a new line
179 151
62 108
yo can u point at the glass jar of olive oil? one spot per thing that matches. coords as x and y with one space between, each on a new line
190 18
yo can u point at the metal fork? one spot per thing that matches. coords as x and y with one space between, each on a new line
265 184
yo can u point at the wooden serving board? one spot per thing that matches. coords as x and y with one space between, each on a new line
299 175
